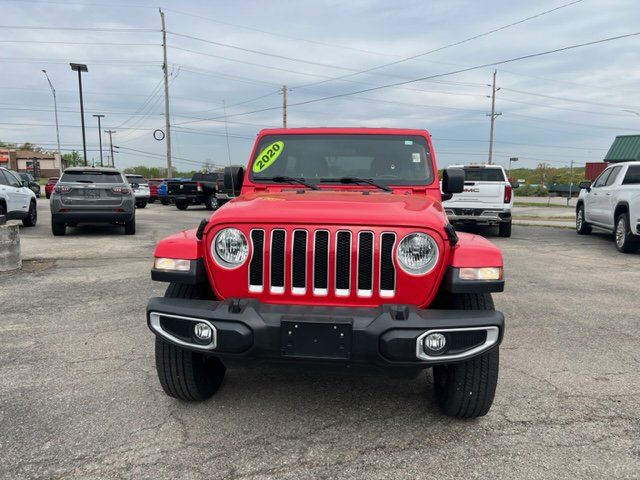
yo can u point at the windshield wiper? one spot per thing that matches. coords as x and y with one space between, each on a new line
352 180
84 181
281 179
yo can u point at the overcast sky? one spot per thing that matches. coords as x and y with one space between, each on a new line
568 105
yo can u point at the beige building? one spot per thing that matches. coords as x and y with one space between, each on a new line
19 161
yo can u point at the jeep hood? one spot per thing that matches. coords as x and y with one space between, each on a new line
334 208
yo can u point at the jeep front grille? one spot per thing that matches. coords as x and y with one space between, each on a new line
343 263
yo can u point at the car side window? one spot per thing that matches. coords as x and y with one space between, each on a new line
13 180
3 180
612 177
600 181
632 177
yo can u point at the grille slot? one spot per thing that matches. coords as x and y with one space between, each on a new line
387 270
343 263
321 263
278 238
365 264
299 262
256 266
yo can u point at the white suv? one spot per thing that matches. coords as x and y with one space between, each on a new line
17 200
612 202
487 198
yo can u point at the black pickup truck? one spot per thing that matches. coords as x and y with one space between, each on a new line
200 190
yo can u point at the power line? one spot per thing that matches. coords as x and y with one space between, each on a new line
454 44
83 29
572 100
82 43
454 72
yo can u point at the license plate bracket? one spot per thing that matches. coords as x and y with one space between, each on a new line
322 340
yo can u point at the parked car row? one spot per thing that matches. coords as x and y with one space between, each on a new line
209 189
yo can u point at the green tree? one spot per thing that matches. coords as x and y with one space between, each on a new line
72 159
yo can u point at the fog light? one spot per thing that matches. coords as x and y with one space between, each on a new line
203 332
434 343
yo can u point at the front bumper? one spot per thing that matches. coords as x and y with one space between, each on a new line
390 335
223 196
478 215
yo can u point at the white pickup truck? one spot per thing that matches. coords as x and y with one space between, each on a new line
487 198
612 203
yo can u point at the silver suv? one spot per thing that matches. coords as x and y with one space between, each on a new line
92 195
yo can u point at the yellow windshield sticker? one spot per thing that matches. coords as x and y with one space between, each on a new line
267 156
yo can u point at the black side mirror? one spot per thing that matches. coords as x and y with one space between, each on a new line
515 184
452 180
135 185
586 185
233 178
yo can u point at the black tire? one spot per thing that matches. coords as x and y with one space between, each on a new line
130 227
48 195
183 374
212 202
152 200
58 228
164 201
182 204
504 229
141 204
32 217
626 242
582 227
467 389
3 209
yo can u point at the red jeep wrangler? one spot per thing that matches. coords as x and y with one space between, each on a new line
336 252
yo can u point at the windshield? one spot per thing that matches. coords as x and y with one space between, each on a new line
386 159
472 174
91 177
136 179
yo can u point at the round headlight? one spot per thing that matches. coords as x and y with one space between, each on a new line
230 248
417 253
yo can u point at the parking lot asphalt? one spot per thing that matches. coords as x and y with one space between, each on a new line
79 397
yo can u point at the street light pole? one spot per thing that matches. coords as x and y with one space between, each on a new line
113 160
55 109
81 67
100 137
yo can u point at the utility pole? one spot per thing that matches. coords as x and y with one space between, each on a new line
55 109
166 95
493 116
284 106
570 182
100 137
81 67
113 160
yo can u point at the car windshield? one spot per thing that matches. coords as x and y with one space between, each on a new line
53 179
91 176
386 159
474 174
136 179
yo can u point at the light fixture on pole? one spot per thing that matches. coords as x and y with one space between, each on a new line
100 137
81 67
55 109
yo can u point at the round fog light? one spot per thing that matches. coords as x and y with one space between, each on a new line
203 332
434 343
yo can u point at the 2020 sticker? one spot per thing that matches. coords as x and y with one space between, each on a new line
267 156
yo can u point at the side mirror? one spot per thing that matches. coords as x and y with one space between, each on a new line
135 185
586 185
452 180
515 184
233 178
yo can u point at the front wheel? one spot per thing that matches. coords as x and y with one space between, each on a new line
182 204
32 217
141 204
626 242
184 374
582 227
467 389
164 201
58 228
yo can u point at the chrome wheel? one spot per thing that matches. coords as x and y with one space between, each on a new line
621 231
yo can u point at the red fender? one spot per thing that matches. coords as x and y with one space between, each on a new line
475 251
181 245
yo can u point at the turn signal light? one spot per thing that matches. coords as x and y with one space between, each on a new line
172 264
483 273
62 189
120 190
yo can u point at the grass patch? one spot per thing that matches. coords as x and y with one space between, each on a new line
534 204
